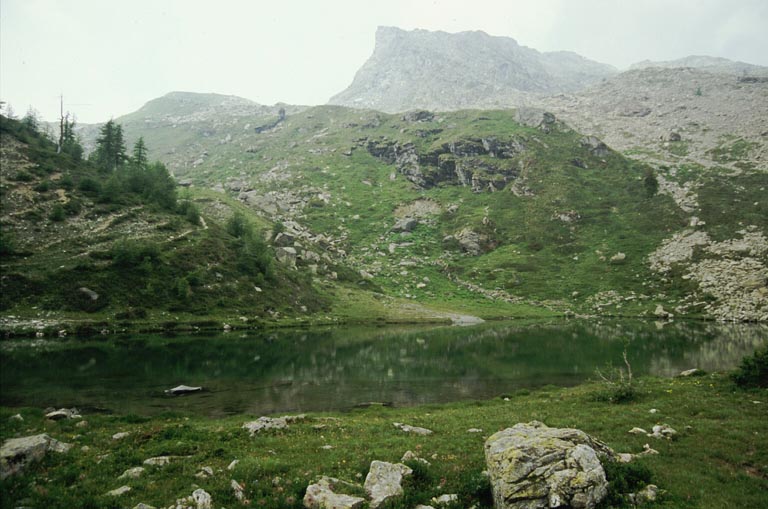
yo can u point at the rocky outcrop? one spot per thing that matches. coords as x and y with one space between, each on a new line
534 466
16 454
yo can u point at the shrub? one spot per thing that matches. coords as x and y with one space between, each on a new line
128 254
753 371
57 213
623 478
619 387
90 186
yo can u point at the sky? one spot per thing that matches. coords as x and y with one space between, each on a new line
108 57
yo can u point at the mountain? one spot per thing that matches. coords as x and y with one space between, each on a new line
674 116
706 63
441 71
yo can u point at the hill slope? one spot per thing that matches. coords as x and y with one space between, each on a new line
77 242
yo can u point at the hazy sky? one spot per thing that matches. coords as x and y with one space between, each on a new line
109 57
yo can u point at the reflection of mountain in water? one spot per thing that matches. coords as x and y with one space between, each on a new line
338 368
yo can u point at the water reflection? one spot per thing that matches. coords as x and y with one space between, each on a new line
330 369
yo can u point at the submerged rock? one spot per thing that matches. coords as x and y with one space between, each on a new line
534 466
182 389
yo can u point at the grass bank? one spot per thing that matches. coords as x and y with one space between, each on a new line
719 458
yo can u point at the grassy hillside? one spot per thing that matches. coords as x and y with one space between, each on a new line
504 212
78 242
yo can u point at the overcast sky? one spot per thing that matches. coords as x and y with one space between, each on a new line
109 57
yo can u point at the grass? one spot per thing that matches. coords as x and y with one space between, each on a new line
718 459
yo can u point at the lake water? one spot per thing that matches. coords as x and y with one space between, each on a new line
339 368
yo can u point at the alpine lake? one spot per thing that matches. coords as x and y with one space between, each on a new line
339 368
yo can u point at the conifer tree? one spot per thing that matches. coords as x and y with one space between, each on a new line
110 147
140 153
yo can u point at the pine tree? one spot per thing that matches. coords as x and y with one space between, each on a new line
140 154
110 147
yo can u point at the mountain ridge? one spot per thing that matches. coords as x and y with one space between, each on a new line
474 64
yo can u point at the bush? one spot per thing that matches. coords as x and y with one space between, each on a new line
90 186
619 387
57 213
753 371
623 478
129 254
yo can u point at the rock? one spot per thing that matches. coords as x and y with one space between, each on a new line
16 417
534 117
63 413
674 136
625 457
418 116
159 461
422 506
445 500
595 146
690 372
237 488
183 389
647 494
132 473
412 429
17 453
286 256
89 293
618 258
232 465
470 242
321 495
204 473
534 466
411 456
142 505
661 312
663 431
202 499
647 451
122 490
406 224
121 435
474 430
383 481
638 431
82 424
265 423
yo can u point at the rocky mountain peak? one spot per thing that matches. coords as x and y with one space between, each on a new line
443 71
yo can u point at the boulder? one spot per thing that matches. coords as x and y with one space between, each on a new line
122 490
384 481
132 473
265 423
534 466
17 453
286 256
406 224
412 429
321 495
595 146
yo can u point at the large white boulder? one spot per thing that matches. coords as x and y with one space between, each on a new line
532 466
